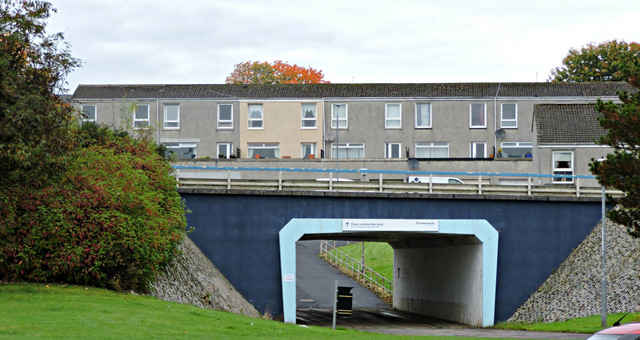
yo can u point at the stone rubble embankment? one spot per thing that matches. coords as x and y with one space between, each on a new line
573 290
191 278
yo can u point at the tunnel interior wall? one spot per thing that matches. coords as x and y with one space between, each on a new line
239 234
440 282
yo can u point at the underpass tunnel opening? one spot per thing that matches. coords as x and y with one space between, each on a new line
449 274
316 274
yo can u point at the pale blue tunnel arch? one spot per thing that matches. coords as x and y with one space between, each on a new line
298 227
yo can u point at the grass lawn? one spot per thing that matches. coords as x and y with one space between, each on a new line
53 311
378 256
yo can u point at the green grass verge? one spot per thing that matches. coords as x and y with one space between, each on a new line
589 324
378 256
72 312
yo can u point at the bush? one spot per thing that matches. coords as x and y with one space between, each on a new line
112 219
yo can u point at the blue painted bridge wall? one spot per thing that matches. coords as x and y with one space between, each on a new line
239 233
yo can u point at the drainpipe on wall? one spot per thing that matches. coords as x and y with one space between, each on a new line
157 123
495 121
324 142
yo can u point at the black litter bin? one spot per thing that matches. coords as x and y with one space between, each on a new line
345 300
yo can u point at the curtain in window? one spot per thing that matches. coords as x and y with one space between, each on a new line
423 116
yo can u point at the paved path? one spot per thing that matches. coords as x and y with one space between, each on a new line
316 281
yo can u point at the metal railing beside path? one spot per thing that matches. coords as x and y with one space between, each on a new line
329 180
360 273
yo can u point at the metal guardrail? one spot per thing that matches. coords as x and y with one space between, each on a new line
355 269
395 186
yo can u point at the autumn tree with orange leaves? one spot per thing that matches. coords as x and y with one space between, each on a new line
277 72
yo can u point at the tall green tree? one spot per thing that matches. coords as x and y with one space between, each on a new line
597 62
621 169
33 121
78 204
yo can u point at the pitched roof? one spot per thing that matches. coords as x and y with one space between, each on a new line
404 90
567 123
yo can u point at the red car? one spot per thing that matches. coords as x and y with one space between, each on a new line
628 331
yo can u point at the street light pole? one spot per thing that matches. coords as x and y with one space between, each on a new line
337 143
603 277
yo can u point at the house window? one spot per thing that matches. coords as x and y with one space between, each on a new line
225 150
181 150
516 149
225 116
308 149
477 116
432 150
347 150
141 117
509 115
308 116
478 150
393 150
562 165
255 116
393 116
423 116
339 116
171 116
264 150
89 113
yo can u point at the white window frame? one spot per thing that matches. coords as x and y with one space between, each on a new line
225 124
509 123
342 122
388 150
85 112
312 148
431 147
429 117
141 123
313 122
254 149
516 145
182 145
474 149
253 121
349 147
562 171
392 122
484 118
228 146
168 122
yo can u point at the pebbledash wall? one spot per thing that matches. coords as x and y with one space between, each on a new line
238 232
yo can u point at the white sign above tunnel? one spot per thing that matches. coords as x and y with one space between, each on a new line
389 225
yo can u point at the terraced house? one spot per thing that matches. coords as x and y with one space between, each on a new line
485 127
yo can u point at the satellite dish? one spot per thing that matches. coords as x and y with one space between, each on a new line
413 163
329 136
500 133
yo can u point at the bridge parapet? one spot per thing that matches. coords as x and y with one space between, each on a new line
382 181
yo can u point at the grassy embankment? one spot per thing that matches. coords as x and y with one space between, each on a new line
52 311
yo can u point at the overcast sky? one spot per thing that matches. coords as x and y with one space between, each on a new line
368 41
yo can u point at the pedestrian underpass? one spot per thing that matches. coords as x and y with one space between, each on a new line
239 233
444 269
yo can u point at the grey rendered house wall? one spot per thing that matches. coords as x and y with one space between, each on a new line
450 123
198 121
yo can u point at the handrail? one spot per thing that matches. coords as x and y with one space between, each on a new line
391 186
301 179
355 269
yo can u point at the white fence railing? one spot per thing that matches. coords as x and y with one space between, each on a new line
355 269
280 179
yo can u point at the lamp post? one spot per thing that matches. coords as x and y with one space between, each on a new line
603 277
337 142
